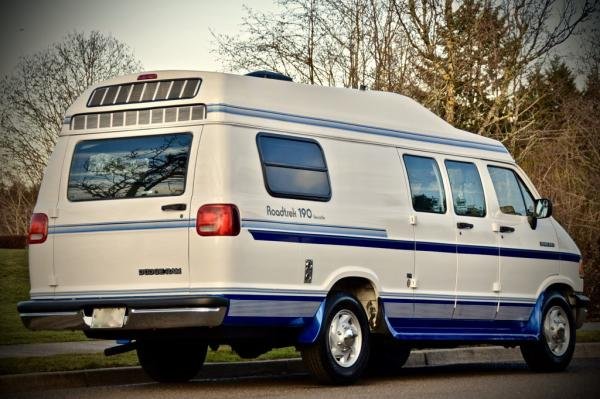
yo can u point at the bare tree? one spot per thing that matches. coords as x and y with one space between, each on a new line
284 42
33 101
16 200
466 60
346 42
565 159
32 106
474 56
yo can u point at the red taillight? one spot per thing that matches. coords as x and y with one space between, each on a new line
38 228
147 76
218 220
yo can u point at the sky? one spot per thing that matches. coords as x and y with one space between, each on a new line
164 34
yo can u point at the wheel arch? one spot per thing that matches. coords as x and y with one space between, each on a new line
364 286
358 282
560 284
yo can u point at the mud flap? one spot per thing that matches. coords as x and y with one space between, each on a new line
310 333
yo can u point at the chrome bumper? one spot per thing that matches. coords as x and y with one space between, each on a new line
141 314
580 309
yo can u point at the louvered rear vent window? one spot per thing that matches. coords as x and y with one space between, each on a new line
141 92
138 117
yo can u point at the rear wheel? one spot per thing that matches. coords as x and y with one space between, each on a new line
168 361
554 350
341 352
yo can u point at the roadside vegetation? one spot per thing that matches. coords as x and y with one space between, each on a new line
86 361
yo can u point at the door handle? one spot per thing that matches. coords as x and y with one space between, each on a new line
506 229
462 225
174 207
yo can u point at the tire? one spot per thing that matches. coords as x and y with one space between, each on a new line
387 356
169 361
332 359
554 349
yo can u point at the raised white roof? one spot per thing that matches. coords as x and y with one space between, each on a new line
370 115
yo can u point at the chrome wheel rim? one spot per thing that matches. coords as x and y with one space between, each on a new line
557 330
345 338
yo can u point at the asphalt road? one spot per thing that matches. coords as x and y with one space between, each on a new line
505 380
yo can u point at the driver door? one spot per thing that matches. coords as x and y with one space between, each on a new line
528 255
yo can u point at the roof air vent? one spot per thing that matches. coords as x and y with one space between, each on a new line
145 91
270 75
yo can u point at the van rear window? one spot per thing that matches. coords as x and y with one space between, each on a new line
129 167
294 168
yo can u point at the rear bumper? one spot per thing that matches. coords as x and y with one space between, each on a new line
141 313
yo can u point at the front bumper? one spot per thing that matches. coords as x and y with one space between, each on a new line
580 308
141 313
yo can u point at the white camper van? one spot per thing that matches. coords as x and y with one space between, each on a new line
184 209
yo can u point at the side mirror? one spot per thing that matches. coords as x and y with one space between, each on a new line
542 208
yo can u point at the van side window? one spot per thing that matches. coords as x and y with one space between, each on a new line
294 168
426 186
467 190
513 196
129 167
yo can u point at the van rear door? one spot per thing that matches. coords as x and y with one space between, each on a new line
124 213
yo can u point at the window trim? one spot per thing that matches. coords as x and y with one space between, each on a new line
485 213
265 164
435 161
521 185
519 179
187 165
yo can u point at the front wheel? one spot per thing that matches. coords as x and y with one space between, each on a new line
171 361
341 352
554 349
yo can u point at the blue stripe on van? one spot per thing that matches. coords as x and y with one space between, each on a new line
435 247
322 234
529 253
314 228
121 226
276 297
247 223
460 330
311 238
568 257
478 250
307 120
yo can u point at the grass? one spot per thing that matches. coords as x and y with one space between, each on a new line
68 362
14 287
98 360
